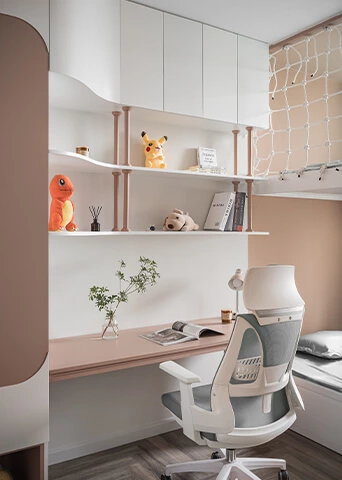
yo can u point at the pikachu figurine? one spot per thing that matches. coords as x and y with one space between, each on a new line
154 157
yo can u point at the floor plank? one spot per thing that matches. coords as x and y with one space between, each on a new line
145 460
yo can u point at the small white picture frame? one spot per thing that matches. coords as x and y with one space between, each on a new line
206 157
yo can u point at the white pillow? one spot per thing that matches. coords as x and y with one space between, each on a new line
324 344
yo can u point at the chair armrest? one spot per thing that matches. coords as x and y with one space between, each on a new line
183 374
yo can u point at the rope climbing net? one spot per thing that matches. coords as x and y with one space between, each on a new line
305 131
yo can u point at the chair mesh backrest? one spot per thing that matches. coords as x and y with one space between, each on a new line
279 341
262 346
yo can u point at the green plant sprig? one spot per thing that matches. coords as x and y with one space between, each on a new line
104 300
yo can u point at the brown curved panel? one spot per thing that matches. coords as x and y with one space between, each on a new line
23 197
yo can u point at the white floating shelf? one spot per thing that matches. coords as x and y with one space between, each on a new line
155 233
75 162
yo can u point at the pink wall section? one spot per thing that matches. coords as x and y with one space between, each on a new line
24 169
307 234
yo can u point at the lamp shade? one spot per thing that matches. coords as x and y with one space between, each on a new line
236 282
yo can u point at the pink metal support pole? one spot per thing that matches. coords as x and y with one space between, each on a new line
249 182
126 172
236 134
236 185
116 174
249 142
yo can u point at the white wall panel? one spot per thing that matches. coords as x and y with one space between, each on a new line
103 411
85 43
24 412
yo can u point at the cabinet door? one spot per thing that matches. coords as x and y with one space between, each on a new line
141 56
85 43
253 83
219 74
182 66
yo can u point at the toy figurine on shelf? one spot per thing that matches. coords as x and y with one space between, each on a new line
95 212
61 207
154 157
179 221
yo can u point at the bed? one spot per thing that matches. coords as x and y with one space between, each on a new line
319 381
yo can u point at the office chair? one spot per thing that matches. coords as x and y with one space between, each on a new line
253 395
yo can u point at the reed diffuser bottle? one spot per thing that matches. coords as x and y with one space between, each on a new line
95 212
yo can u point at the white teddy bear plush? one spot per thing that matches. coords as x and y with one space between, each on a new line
179 221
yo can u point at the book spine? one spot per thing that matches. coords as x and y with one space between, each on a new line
227 212
240 200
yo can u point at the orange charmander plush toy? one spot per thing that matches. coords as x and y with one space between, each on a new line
61 207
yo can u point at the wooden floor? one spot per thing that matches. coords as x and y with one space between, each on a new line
145 460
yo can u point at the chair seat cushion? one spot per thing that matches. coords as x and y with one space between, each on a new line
172 400
247 410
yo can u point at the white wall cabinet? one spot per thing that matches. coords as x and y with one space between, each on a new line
179 66
253 83
219 74
141 56
85 43
182 66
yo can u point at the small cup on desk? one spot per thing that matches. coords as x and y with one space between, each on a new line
226 316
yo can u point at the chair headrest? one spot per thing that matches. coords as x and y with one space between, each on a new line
271 287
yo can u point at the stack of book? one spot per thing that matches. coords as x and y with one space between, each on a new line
226 212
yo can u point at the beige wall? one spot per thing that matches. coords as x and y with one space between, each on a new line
307 234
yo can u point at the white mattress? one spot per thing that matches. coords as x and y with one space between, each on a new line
318 370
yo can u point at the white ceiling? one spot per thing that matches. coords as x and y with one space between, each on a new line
267 20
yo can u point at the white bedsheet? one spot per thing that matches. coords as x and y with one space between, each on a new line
318 370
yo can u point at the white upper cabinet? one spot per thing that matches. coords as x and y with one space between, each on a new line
253 83
183 91
135 55
141 56
85 43
34 12
219 74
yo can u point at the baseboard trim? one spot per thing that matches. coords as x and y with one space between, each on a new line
72 451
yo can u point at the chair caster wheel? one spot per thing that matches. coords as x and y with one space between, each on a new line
216 455
165 477
283 475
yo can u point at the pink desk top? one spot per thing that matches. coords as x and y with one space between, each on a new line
74 357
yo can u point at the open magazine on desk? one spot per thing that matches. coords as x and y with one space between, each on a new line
180 332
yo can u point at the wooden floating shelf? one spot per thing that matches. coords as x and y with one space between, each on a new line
81 163
153 234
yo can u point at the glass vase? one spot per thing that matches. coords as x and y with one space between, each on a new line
110 330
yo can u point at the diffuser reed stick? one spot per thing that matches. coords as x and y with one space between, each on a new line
95 212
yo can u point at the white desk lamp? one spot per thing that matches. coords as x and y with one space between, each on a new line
236 284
